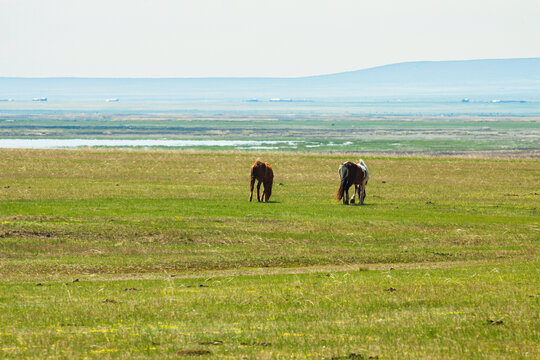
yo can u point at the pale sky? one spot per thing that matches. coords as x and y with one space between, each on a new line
289 38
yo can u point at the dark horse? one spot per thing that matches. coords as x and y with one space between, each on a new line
262 172
352 174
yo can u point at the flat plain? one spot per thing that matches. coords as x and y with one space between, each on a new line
159 254
409 133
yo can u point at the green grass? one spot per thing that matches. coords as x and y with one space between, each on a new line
300 277
478 312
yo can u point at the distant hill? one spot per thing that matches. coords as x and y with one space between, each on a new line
446 72
484 79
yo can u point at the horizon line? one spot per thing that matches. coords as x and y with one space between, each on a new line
266 77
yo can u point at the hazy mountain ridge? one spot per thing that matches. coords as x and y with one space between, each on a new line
499 78
439 72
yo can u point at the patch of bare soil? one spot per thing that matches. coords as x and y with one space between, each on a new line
193 352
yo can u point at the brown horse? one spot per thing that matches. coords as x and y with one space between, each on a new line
262 172
352 174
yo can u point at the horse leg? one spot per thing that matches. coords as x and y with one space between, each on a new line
363 195
354 194
251 188
267 190
258 190
346 196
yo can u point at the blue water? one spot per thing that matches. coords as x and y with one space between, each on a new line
74 143
301 107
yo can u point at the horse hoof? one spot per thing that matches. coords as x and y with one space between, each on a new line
352 201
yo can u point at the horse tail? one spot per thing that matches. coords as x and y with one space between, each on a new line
343 172
252 179
252 173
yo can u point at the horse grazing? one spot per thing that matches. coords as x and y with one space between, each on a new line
352 174
262 172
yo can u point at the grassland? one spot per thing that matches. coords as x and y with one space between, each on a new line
135 254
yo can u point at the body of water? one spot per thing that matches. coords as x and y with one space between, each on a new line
299 108
75 143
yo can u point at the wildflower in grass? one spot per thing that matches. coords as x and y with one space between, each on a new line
449 313
103 351
170 327
13 348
